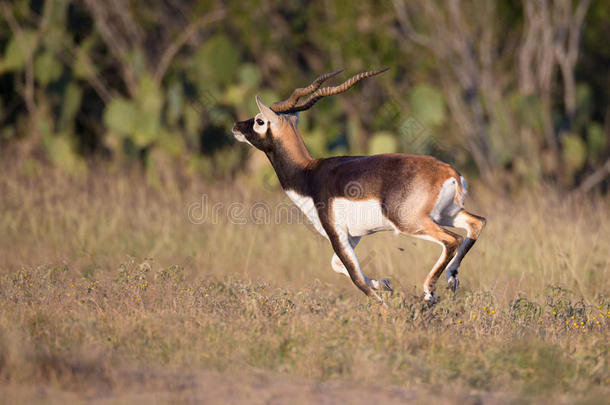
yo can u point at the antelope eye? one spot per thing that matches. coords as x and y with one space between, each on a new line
259 121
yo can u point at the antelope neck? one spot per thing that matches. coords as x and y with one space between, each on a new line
291 161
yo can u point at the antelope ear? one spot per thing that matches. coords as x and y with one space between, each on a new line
268 113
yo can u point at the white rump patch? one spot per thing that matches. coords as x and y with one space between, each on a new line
463 190
446 208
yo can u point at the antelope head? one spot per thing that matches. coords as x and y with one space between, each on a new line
278 123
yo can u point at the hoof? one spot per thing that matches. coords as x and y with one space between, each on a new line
430 299
381 284
453 283
384 284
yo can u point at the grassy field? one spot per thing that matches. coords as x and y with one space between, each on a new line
113 291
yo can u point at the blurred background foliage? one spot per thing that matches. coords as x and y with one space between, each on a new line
515 93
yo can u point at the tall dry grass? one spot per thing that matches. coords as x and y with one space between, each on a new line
107 283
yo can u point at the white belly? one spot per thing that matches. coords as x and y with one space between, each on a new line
307 206
360 218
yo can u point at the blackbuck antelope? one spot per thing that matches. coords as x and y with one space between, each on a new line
348 197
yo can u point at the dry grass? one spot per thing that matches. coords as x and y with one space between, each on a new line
109 292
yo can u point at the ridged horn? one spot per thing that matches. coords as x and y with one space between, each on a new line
329 91
285 105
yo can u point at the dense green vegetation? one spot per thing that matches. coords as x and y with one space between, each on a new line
516 91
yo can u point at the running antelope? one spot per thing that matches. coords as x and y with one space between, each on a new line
347 197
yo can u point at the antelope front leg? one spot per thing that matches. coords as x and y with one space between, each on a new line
340 241
375 284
